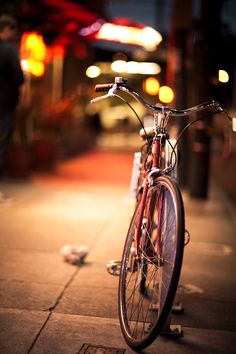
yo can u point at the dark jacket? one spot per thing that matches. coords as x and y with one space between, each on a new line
11 75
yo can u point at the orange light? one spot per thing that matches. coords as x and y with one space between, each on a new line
33 53
33 46
166 94
151 86
37 68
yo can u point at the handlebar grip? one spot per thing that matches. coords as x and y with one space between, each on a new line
103 87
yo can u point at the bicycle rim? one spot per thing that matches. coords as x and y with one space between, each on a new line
148 282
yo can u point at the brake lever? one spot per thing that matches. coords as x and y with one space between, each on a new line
100 98
110 93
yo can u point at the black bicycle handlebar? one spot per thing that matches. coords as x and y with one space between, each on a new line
103 87
120 85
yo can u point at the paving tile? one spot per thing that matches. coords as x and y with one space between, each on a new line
65 334
90 301
211 272
18 329
28 295
94 274
35 266
206 313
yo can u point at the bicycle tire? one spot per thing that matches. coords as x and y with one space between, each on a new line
140 320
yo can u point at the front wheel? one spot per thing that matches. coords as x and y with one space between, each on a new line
148 281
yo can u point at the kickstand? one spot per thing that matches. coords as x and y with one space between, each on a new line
169 330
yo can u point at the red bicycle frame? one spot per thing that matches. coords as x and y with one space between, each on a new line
156 152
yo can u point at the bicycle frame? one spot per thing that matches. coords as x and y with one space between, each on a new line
155 169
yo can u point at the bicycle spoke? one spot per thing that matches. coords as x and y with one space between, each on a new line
146 277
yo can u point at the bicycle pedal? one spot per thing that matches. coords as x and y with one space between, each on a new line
186 237
113 267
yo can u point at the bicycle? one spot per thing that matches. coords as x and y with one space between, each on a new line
153 252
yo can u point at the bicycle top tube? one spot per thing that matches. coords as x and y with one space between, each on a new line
120 85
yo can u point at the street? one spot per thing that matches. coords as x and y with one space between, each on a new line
50 306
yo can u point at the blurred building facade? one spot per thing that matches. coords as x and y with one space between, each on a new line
197 41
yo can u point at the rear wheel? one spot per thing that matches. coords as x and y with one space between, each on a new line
148 281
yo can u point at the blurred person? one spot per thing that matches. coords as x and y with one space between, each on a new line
11 78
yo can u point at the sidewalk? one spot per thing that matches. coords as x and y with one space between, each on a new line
49 306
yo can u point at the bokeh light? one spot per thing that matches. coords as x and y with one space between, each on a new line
151 86
166 94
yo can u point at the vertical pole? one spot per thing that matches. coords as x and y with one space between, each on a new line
57 75
177 72
204 59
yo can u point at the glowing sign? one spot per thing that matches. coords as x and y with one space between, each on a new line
134 67
146 37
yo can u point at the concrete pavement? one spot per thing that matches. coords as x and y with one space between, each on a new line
49 306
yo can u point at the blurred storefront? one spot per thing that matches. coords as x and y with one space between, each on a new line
84 42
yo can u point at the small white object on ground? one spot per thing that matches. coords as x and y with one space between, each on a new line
74 254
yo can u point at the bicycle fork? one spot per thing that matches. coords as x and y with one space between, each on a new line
138 230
